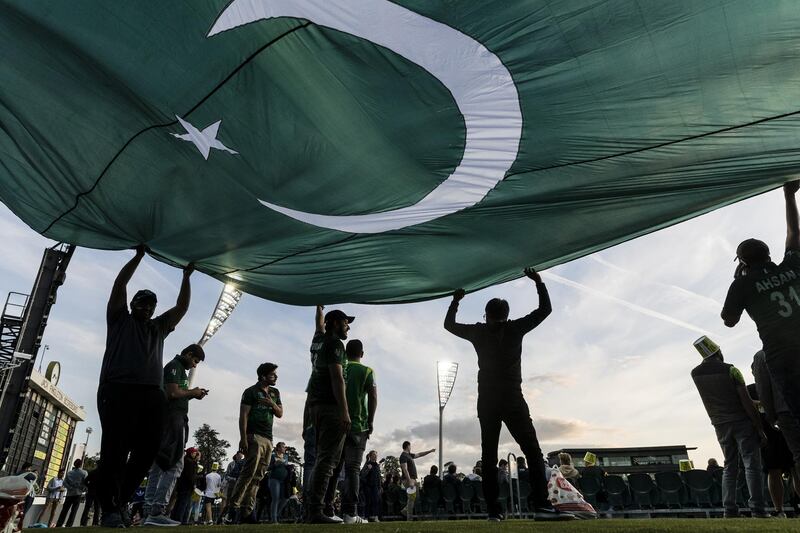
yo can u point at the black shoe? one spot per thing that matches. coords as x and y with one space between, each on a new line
248 519
496 517
548 513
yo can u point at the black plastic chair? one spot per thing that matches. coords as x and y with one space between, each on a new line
431 497
617 491
524 493
642 488
503 493
449 495
716 488
466 493
478 488
590 487
699 483
669 486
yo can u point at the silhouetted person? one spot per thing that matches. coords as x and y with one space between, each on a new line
74 483
327 410
130 398
498 343
736 423
770 294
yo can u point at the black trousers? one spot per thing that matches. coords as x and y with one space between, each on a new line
784 369
91 503
71 504
510 408
329 443
132 418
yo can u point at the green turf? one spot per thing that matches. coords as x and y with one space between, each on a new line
655 525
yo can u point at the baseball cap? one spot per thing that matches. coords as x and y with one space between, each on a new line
336 314
144 295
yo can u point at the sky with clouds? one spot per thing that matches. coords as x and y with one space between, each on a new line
609 367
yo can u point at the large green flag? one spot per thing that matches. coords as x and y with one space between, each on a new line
320 151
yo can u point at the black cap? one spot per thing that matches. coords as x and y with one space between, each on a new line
144 295
338 315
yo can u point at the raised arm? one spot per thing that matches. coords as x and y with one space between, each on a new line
450 324
545 308
174 315
118 301
319 319
423 454
792 221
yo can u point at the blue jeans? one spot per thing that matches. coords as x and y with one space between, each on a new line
740 438
277 503
160 484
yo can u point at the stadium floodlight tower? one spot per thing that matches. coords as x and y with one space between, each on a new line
228 300
445 379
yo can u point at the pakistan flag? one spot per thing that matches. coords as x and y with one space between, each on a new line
321 151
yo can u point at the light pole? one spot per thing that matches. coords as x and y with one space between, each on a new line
86 443
445 379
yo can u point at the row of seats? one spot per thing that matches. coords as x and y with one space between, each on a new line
695 488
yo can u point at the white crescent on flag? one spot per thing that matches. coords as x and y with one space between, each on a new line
482 88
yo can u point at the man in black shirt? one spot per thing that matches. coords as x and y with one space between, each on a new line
770 294
498 343
327 410
130 398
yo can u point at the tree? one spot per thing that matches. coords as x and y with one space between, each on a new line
292 455
91 462
211 447
390 467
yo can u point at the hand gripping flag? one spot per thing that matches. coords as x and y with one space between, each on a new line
385 151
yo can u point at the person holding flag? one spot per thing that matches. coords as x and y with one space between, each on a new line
498 343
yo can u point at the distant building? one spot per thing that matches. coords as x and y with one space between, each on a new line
46 426
647 459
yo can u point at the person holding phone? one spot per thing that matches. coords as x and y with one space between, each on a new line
169 462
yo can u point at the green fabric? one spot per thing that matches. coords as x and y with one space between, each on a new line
359 379
259 420
176 372
320 388
633 118
736 376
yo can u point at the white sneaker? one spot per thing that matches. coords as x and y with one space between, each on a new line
354 519
160 520
336 519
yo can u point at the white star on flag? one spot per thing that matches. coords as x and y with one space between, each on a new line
204 140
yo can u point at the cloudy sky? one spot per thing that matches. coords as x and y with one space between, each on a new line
609 367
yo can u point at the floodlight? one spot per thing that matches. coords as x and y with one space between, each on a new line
445 380
227 302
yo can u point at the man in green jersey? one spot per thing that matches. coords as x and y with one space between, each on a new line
362 401
260 403
169 462
327 407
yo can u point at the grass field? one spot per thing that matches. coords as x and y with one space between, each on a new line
654 525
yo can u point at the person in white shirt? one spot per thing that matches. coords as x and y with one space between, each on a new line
213 482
